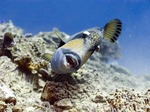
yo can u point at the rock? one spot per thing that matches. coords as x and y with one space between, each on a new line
99 99
17 109
9 27
64 104
121 101
3 106
85 92
10 100
29 109
7 93
55 91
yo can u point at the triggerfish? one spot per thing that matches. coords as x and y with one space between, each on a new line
77 49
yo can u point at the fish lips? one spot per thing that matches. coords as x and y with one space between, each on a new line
72 61
65 61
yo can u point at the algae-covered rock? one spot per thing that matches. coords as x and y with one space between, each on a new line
10 27
96 87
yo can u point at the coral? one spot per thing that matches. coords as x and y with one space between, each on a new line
25 52
55 91
3 106
6 66
6 97
93 88
64 104
17 109
129 100
6 44
8 100
8 39
9 27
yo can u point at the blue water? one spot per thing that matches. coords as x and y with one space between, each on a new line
72 16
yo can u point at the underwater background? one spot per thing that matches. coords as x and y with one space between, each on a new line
72 16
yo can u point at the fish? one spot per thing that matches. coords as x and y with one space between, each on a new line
74 51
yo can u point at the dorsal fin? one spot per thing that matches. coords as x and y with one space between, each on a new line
62 38
112 30
57 32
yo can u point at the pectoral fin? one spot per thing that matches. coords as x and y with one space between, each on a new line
47 56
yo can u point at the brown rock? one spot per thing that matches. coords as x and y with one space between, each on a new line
17 109
10 100
55 91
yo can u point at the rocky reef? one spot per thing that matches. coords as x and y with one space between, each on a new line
28 85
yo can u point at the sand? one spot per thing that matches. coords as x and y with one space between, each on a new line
96 87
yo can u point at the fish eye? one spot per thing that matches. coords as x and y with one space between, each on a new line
85 34
72 62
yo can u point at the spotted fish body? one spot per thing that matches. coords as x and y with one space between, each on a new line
78 48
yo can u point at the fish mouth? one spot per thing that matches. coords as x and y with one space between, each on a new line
71 61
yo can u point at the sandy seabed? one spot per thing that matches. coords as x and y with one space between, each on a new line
96 87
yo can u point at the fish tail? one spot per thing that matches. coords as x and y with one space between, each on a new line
112 30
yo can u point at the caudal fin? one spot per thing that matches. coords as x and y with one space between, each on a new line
112 30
